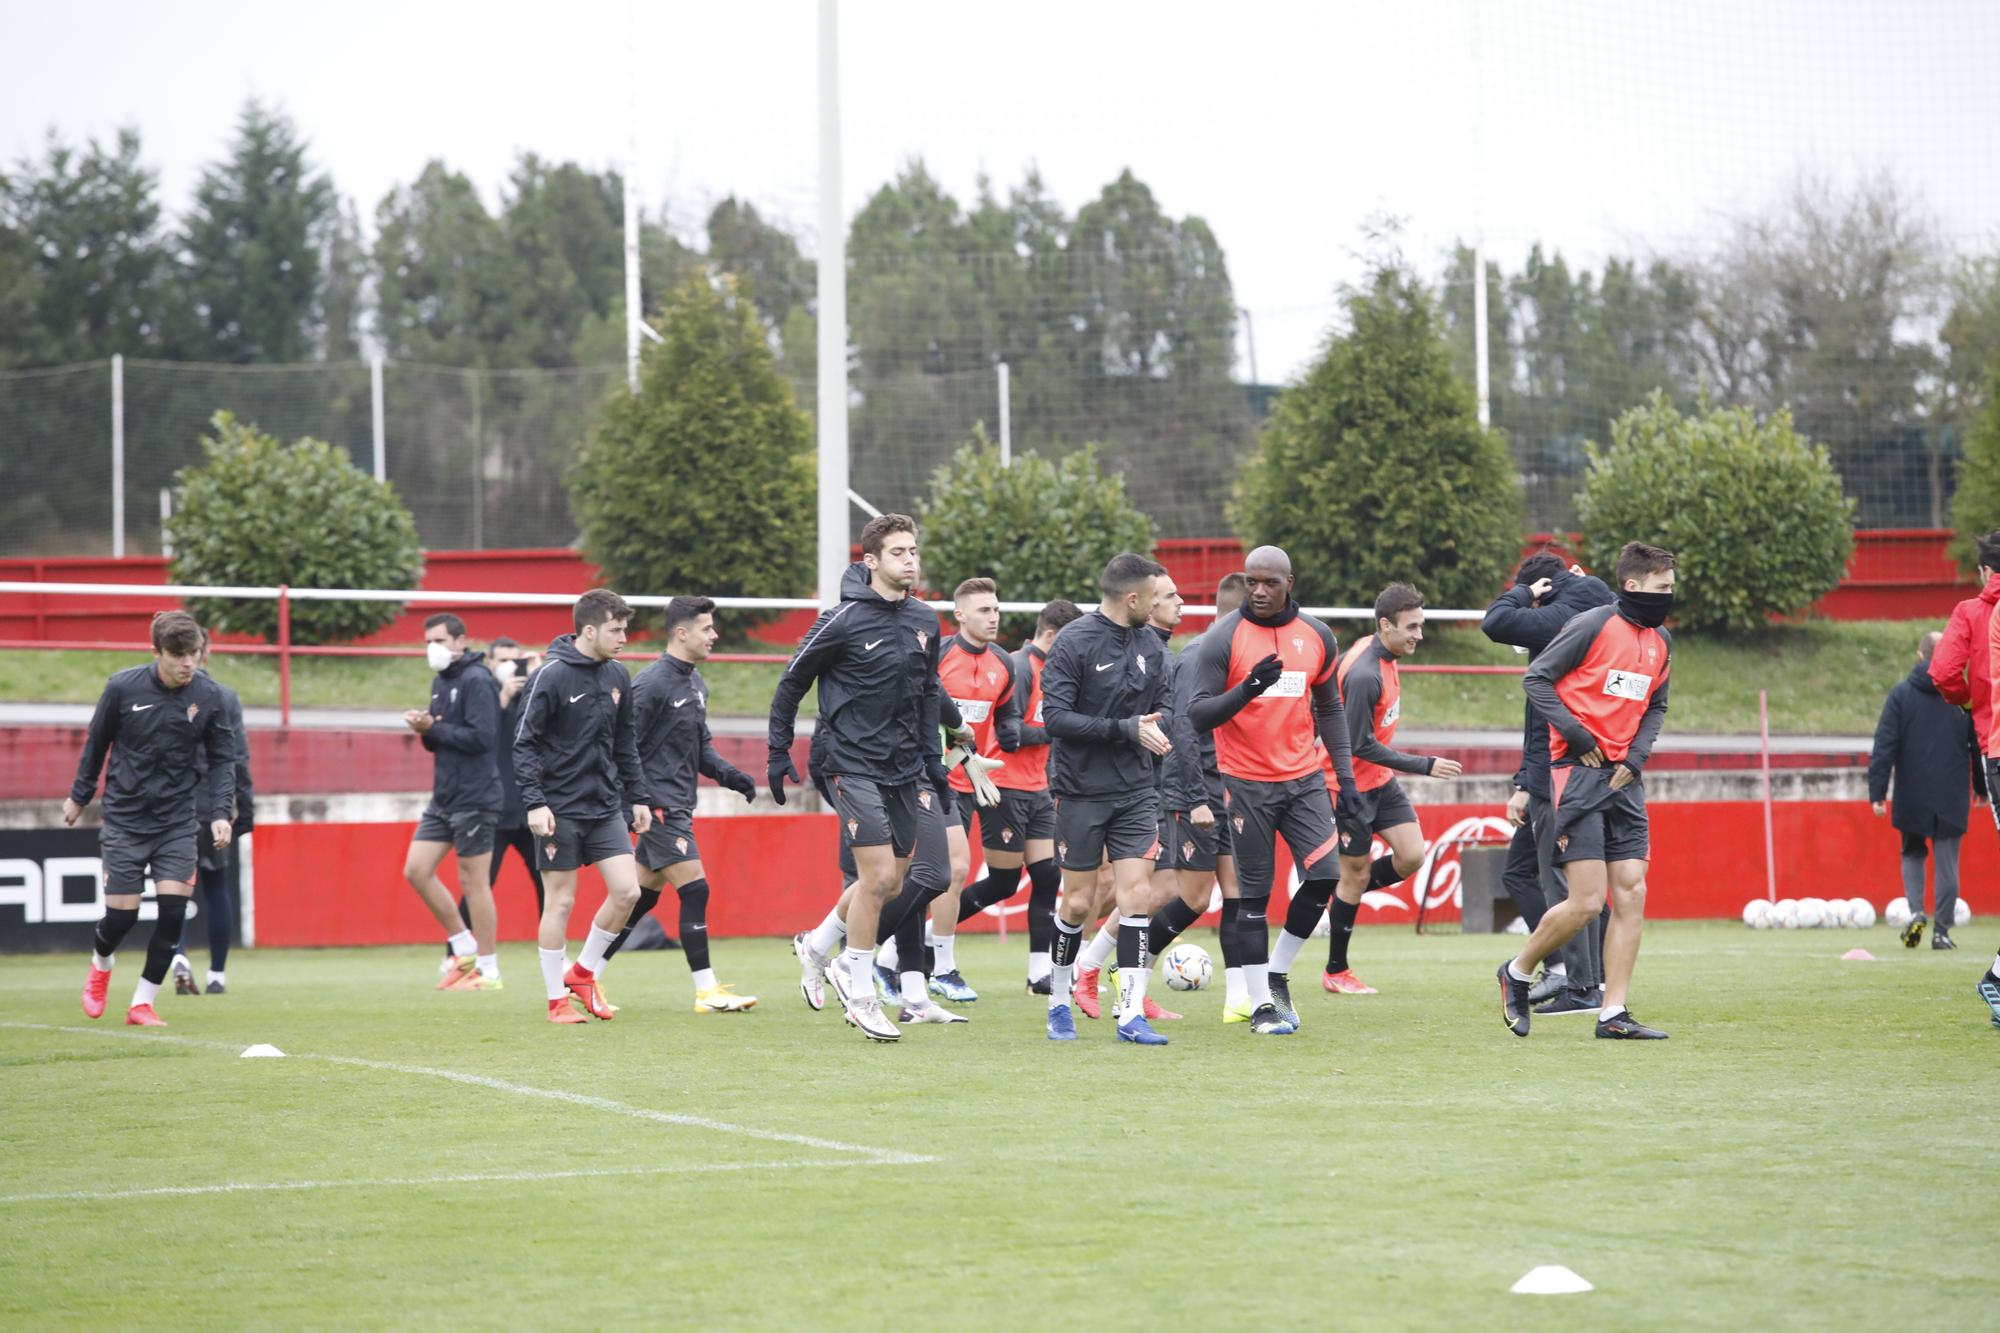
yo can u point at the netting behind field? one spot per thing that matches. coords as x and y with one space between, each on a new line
55 461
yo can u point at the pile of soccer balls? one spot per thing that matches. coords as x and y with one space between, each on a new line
1828 913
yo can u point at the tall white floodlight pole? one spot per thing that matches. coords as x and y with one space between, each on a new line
832 317
118 455
632 311
1006 419
1480 375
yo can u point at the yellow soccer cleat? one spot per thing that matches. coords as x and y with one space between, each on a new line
722 999
1236 1013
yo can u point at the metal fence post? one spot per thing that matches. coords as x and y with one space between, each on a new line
118 455
284 655
375 394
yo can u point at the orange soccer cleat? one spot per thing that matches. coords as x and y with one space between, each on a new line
142 1016
457 972
1156 1014
94 987
1345 982
560 1011
1084 993
583 985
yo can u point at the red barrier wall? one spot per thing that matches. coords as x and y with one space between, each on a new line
326 884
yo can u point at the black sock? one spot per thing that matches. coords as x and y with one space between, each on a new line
220 906
996 887
694 922
648 900
1232 956
1253 932
1134 946
1308 904
1067 943
166 937
1383 873
112 928
1168 923
912 954
1339 930
1044 881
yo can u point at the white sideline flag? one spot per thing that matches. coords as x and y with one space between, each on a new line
1550 1280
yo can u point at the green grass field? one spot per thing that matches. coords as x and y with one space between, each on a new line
1824 677
1813 1148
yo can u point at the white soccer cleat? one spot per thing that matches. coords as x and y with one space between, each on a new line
867 1015
812 973
930 1011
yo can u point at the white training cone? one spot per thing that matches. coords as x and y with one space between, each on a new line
1550 1280
262 1049
1857 956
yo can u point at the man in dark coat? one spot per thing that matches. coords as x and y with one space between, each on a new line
1927 744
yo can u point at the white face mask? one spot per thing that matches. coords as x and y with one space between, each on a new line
438 655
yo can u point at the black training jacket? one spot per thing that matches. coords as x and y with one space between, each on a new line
577 751
1101 678
246 795
1514 620
875 662
173 753
513 814
670 710
465 712
1192 777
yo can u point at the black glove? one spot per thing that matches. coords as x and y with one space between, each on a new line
739 782
777 771
940 781
1354 833
1264 675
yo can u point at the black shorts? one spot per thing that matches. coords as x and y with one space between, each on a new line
873 813
1386 806
1595 823
1021 817
669 841
470 832
584 842
1299 810
1088 830
126 857
1189 848
930 853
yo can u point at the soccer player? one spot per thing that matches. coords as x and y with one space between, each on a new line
1105 700
1264 684
212 862
158 724
576 757
459 729
1022 828
979 679
511 668
874 657
1544 597
1198 829
1371 694
670 710
1602 686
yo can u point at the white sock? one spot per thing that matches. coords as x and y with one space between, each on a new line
1059 984
1235 990
1994 968
1256 976
216 976
890 956
1285 950
144 992
930 935
554 963
1609 1012
704 979
946 961
829 935
1555 969
913 989
1038 966
1517 973
489 966
1132 992
594 945
1098 952
462 944
103 964
860 965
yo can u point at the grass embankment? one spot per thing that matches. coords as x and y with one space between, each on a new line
1825 678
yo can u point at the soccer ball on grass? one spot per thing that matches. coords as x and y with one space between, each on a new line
1186 967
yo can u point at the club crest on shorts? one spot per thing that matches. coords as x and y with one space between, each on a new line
1238 821
1062 849
1006 835
1187 848
853 828
192 710
549 850
924 799
680 844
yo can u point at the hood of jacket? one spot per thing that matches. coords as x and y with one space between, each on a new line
1990 594
1920 676
469 658
563 648
855 587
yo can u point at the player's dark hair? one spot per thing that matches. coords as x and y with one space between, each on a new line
1543 564
452 624
598 606
971 586
1057 614
503 642
177 633
1395 599
1126 572
879 528
1989 549
1638 560
683 610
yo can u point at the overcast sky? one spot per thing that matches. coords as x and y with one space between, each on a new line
1599 127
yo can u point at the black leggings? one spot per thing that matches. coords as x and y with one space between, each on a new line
218 908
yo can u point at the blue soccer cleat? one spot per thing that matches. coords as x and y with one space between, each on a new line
1140 1032
1062 1024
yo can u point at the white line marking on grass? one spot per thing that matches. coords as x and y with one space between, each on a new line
874 1156
401 1182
